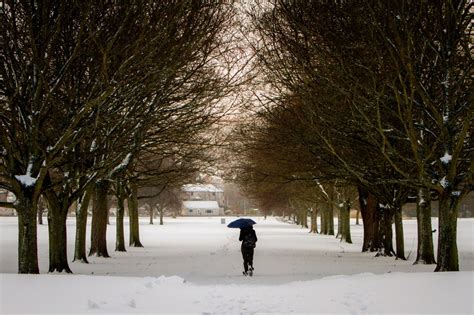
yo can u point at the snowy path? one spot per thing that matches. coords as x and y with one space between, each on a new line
193 265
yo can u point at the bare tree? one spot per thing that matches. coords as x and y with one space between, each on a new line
376 70
87 80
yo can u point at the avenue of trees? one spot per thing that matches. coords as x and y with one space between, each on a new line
101 98
367 100
350 103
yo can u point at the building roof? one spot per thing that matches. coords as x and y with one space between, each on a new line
201 204
201 188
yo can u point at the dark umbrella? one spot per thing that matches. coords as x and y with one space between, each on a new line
241 223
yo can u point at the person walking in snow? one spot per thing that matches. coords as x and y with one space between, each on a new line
248 237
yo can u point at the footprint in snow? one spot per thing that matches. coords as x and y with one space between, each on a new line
92 305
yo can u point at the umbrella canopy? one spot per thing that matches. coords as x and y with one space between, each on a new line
241 223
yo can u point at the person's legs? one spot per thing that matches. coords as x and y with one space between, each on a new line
250 258
245 257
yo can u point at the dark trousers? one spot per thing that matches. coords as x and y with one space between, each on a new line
247 255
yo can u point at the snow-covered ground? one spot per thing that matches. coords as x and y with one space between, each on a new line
194 265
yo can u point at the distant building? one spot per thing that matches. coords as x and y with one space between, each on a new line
200 207
202 199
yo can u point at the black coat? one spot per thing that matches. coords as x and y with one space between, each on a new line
245 231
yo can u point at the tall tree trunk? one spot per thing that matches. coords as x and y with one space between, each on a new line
324 215
26 207
151 212
346 222
133 215
399 233
447 259
385 234
296 218
81 226
161 215
40 216
303 214
120 232
314 220
339 222
370 219
357 217
99 221
57 240
330 218
41 207
57 215
425 249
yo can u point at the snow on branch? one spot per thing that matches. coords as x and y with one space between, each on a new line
122 165
446 158
27 180
322 188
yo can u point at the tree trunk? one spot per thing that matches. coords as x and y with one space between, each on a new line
330 218
357 217
161 215
133 215
385 234
296 218
152 214
57 216
99 221
40 212
314 220
447 259
368 210
346 223
303 213
120 233
26 208
339 223
324 225
81 226
425 249
399 233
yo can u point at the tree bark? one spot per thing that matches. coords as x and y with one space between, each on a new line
330 218
81 226
357 217
99 221
324 216
425 249
120 232
346 223
385 234
368 210
133 215
304 217
57 215
399 233
27 232
314 220
339 222
447 258
151 212
41 208
161 215
57 238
